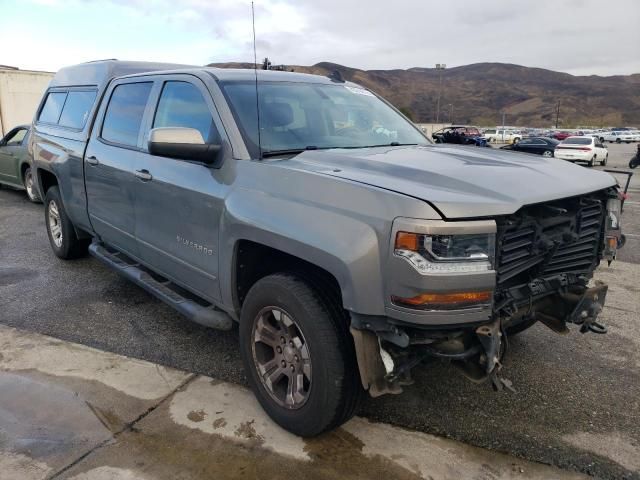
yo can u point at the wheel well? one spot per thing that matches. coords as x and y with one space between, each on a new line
23 169
254 261
47 180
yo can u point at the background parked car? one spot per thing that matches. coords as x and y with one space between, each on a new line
500 135
561 135
582 149
15 162
459 134
619 136
536 145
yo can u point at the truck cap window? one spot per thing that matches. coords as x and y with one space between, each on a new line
301 115
76 109
50 112
124 113
182 105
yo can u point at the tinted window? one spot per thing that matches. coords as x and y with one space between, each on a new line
52 107
578 141
76 109
525 142
181 105
124 113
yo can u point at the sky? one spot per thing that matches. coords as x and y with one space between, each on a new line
581 37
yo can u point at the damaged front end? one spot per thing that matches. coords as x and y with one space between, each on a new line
540 261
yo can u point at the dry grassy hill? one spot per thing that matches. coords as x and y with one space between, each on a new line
479 92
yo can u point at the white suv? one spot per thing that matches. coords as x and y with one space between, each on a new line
582 149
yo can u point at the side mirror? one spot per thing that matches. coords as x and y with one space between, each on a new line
184 144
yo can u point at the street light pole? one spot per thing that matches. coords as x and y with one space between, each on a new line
440 67
450 105
557 113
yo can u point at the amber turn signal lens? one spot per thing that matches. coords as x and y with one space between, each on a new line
407 241
444 300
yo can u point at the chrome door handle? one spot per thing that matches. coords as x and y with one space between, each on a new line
93 160
144 175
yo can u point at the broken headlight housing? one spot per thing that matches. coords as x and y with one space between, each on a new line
613 228
433 254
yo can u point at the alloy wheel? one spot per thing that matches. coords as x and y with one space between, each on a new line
281 357
55 225
28 184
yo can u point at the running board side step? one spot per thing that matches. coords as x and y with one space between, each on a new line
197 311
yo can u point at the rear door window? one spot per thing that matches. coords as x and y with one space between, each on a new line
124 114
182 105
76 109
52 108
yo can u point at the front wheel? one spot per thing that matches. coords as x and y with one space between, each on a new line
604 162
298 355
592 162
30 187
62 236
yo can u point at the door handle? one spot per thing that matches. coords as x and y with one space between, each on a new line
93 160
144 175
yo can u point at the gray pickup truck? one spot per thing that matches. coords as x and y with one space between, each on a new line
348 248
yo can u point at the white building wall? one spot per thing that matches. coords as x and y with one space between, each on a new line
20 94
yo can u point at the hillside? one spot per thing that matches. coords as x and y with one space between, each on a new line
479 92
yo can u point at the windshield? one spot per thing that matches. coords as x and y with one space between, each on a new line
301 116
578 141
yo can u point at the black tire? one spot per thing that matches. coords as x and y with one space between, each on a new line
335 389
592 162
604 162
67 245
29 186
547 154
618 140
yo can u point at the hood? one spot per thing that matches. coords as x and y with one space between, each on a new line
461 182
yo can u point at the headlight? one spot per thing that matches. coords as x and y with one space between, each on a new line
441 254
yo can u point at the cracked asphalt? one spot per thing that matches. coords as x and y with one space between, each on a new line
577 400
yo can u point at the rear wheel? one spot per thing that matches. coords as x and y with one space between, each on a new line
592 162
62 236
29 186
547 153
618 140
298 355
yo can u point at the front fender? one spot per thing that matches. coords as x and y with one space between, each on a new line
346 247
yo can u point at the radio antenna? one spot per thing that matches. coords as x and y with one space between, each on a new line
255 71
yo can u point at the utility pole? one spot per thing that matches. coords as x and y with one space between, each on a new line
503 115
557 113
440 67
450 105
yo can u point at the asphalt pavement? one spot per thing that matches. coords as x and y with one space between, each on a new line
577 398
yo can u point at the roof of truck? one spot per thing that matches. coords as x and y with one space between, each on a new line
102 71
